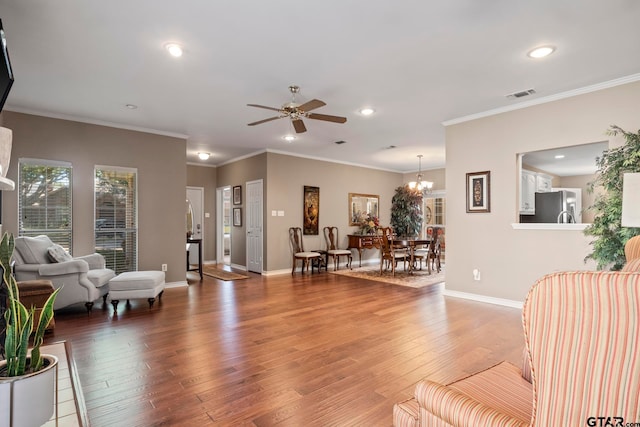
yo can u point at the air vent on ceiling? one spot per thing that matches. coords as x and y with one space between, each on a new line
521 93
341 142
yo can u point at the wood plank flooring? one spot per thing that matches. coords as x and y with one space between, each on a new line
312 350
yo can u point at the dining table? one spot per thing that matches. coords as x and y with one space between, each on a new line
411 243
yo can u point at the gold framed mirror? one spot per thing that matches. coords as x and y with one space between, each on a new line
362 204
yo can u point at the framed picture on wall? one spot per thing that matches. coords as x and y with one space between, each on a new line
478 192
237 195
311 210
237 217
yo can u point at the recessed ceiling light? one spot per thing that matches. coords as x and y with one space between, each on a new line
174 49
289 138
367 111
131 106
204 156
541 52
559 156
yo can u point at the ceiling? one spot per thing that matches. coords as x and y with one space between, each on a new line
567 161
417 63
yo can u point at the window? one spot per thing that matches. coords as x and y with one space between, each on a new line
116 218
44 200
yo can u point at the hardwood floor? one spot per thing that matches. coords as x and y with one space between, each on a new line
321 350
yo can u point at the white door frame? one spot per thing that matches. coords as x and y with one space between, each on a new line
220 224
198 218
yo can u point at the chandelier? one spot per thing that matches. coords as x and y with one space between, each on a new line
420 184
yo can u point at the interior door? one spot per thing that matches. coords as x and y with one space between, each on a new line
195 196
254 226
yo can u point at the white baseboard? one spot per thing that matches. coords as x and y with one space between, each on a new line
483 298
276 272
180 284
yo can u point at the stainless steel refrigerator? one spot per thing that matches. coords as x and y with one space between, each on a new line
553 207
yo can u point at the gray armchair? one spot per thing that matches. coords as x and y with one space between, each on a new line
82 279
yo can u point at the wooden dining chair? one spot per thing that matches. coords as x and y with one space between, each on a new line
331 237
434 254
390 255
307 258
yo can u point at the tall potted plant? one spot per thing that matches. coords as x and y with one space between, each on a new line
406 212
27 380
610 236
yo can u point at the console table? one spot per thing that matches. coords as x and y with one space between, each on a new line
363 241
199 268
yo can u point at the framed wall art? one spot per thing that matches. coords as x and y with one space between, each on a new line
237 217
310 210
479 192
237 195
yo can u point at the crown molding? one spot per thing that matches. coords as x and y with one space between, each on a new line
543 100
73 118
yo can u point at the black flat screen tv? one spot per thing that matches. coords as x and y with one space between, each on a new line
6 73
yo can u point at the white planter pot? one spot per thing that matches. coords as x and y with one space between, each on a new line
28 400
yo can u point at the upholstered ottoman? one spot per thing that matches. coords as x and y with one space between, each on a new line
136 284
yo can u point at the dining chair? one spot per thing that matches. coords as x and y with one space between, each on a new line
389 254
434 254
331 237
295 237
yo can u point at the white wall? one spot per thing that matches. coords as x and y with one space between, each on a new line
511 260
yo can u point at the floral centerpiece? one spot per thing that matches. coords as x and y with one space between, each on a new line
368 223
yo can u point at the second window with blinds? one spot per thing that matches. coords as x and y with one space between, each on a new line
116 217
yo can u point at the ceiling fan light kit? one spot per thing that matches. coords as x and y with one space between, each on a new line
296 112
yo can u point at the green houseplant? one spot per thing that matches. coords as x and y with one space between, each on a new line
406 212
610 236
23 376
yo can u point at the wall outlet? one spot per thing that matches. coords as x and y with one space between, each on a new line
164 267
476 274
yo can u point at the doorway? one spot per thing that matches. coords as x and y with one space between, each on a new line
223 221
254 226
434 211
195 203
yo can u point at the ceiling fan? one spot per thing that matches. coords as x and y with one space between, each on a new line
296 112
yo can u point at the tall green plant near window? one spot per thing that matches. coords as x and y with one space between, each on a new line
406 212
610 236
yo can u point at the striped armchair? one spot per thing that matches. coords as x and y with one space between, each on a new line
582 335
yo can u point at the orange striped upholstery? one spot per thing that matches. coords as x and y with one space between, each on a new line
405 414
632 248
526 367
582 330
498 396
632 266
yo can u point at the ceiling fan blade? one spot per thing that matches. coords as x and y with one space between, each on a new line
264 121
263 106
327 118
298 125
311 105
